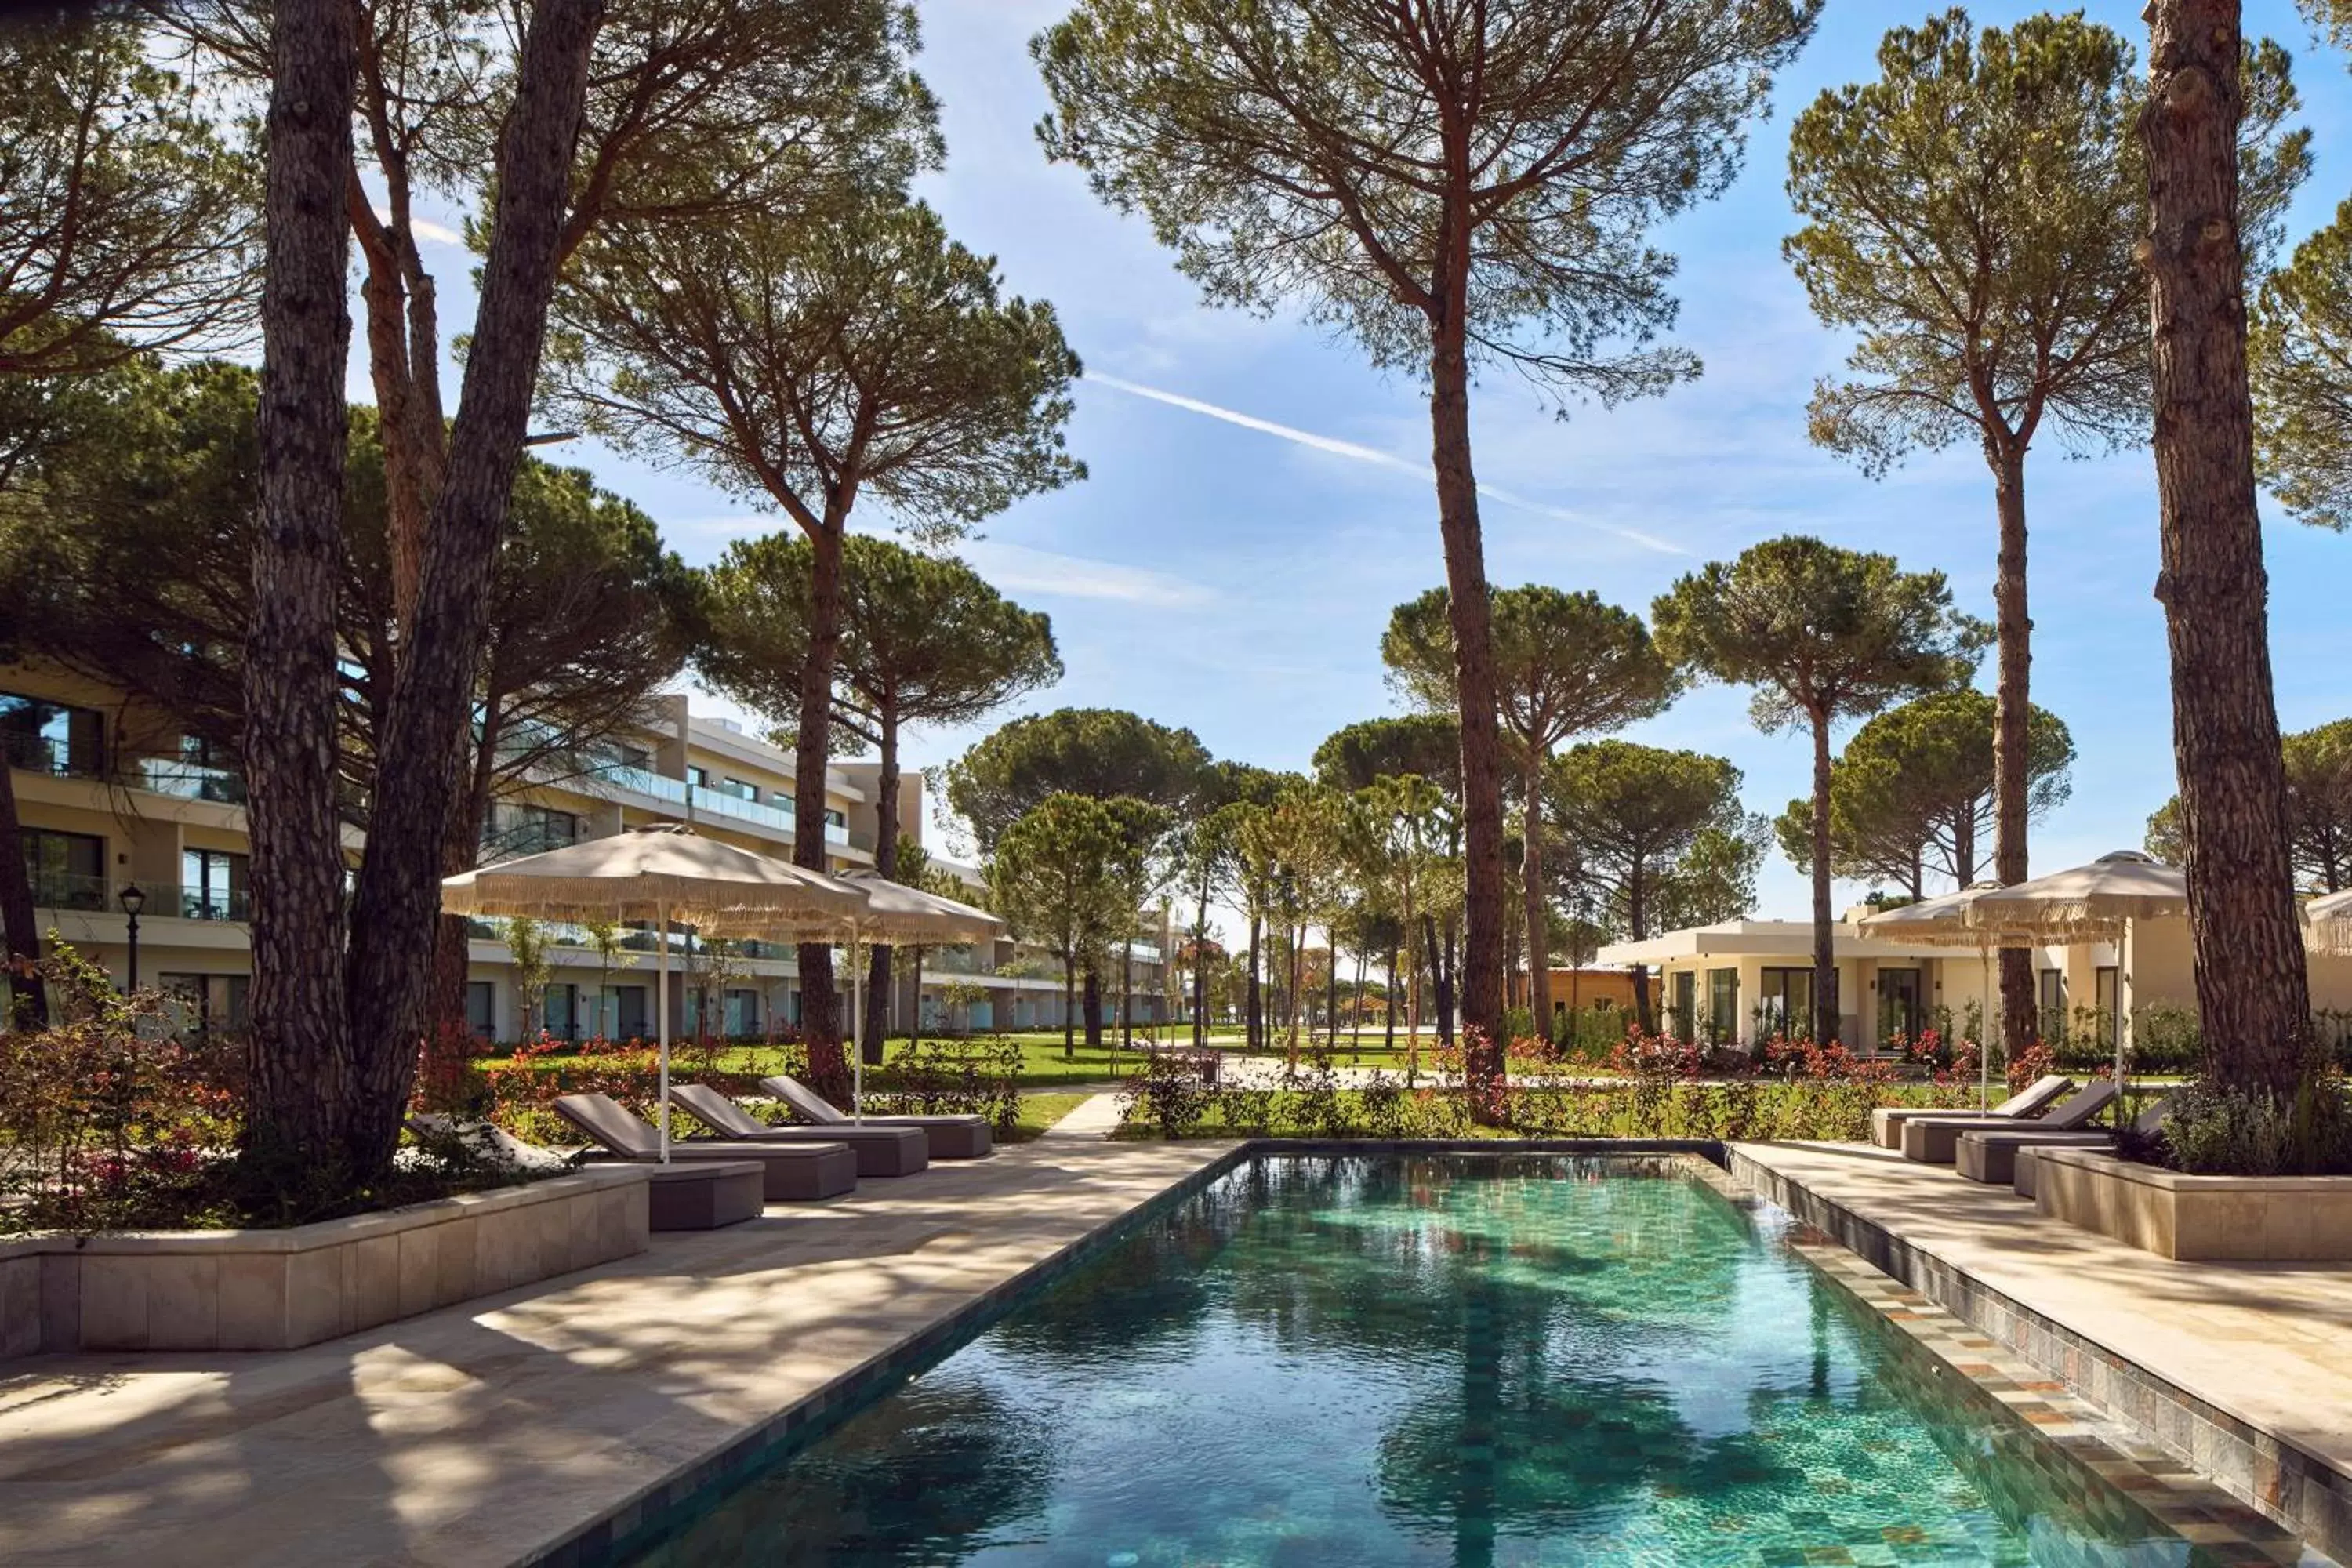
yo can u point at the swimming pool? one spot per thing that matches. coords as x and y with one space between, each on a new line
1523 1360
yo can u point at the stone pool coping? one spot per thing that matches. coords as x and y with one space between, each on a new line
2193 1374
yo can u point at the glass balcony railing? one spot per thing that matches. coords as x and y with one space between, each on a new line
190 781
69 890
711 800
198 903
35 754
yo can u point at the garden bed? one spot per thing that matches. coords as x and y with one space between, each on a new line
278 1290
2272 1219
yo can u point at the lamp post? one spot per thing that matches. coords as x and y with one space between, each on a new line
132 898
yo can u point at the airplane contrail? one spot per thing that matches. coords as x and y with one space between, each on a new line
1374 454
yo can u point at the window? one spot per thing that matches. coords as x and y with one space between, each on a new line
738 788
207 1000
2103 997
212 884
516 829
1722 1005
67 869
1786 1006
1685 1019
1901 1003
634 757
629 1014
697 777
742 1013
482 1007
559 1013
44 737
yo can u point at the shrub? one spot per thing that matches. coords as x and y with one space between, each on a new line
2212 1130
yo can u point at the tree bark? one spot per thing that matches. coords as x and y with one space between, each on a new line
1126 996
1441 974
2253 988
1069 1009
885 862
389 976
300 1059
2012 709
1388 1003
1091 998
1539 942
30 1004
1825 1018
1473 657
820 1005
1637 923
1253 996
1201 967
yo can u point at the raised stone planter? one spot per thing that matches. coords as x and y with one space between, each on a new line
2273 1220
276 1289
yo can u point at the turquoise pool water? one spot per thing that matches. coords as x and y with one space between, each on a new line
1391 1361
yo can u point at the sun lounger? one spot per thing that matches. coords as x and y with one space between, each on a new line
795 1172
951 1137
695 1194
1887 1121
880 1151
1990 1155
1935 1140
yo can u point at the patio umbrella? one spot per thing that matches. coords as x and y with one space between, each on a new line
1943 921
2327 924
895 912
659 874
2102 897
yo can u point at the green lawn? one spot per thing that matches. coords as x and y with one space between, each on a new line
1042 1065
1039 1112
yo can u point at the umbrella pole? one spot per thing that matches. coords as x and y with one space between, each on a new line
661 1002
2123 1014
856 1031
1984 1047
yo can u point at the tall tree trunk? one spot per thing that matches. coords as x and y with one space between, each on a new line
1126 996
1964 845
2252 989
1069 1009
880 1002
1093 1001
1474 657
300 1059
1388 1003
1637 924
1539 942
820 1003
1201 967
29 1005
1356 1018
1332 991
1825 1015
1253 995
394 913
1442 972
2012 709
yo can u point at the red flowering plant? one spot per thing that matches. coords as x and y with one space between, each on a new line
111 1121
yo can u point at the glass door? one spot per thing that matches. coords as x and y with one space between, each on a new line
1902 1004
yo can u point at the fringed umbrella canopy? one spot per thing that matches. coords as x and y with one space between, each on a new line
656 873
895 912
2088 900
1940 921
2327 924
663 875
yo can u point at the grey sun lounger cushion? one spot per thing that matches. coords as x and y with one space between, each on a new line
795 1171
880 1151
1887 1121
1990 1155
1934 1141
951 1137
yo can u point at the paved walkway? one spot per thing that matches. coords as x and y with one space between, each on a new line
2268 1344
1095 1116
474 1435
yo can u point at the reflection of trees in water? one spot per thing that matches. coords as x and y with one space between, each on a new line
913 1480
1526 1444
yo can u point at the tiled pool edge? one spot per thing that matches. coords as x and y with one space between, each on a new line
2255 1467
639 1521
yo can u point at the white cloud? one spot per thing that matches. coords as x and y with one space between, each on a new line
425 229
1017 568
1357 452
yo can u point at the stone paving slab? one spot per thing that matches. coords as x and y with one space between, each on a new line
2268 1346
476 1434
1094 1117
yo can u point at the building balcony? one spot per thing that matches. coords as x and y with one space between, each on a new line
712 801
81 894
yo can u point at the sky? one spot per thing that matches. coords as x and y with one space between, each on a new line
1258 497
